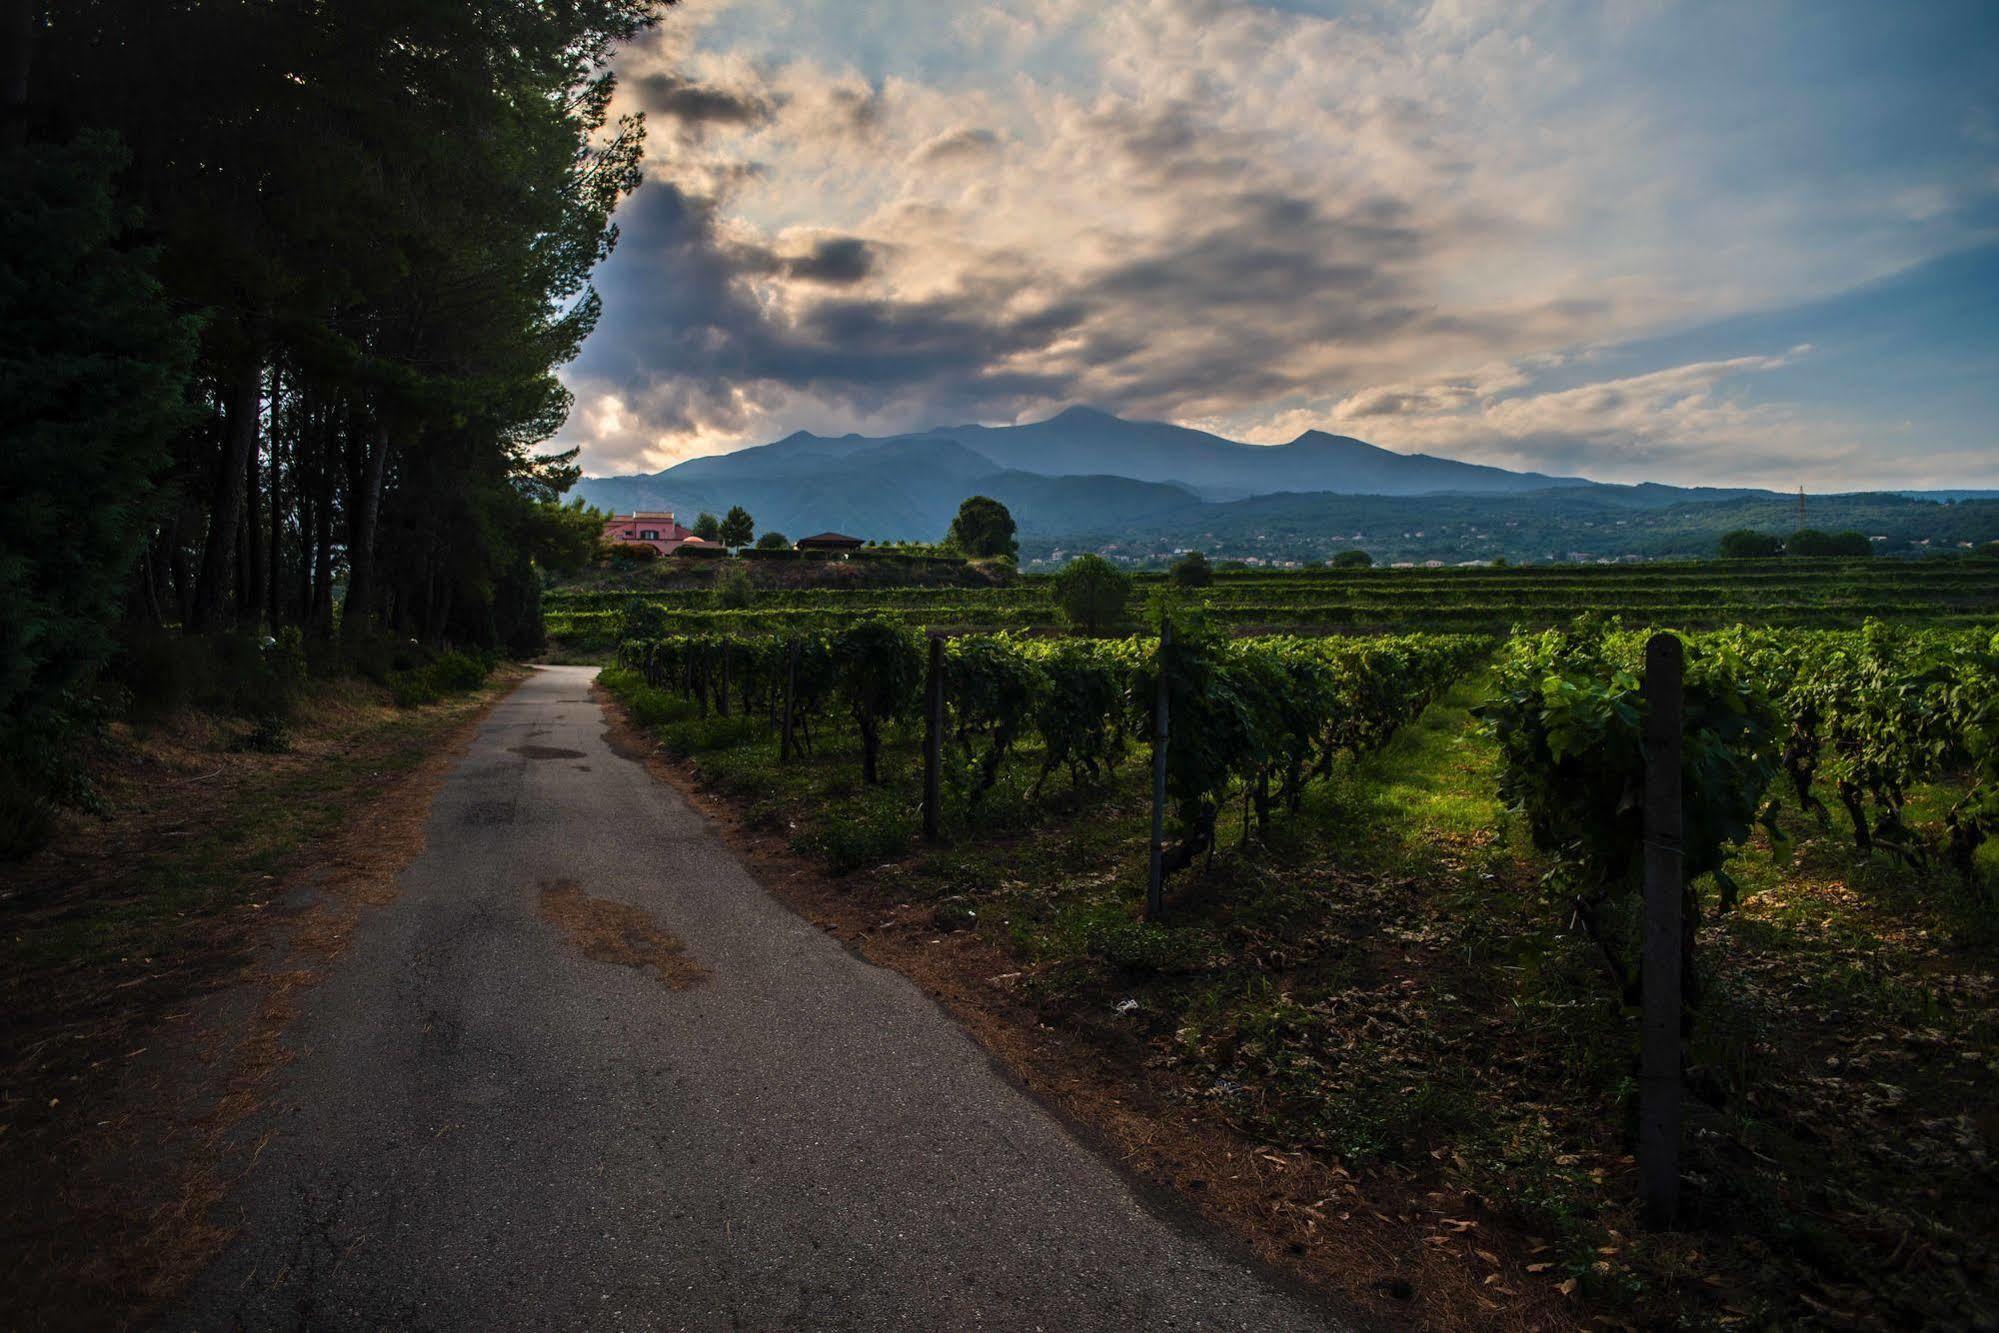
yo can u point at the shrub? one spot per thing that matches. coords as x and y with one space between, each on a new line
1811 542
457 672
734 591
640 619
1092 593
637 553
1192 570
1352 560
880 831
453 673
412 689
162 672
773 541
1749 544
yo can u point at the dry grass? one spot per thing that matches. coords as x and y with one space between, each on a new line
613 932
154 959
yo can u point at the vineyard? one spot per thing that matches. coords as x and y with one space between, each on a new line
1402 936
1690 595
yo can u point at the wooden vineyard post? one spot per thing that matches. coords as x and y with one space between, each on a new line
1659 1068
1155 872
784 742
933 742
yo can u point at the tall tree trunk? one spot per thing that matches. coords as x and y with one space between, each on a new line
17 48
251 607
274 566
357 615
239 440
308 540
320 616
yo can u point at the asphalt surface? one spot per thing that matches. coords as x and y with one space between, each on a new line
483 1129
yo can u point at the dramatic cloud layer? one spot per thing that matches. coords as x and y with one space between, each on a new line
1463 227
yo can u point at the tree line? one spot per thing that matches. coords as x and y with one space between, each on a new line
283 289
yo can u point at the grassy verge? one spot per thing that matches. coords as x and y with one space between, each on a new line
132 920
1385 987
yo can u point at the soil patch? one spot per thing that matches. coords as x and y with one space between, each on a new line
612 932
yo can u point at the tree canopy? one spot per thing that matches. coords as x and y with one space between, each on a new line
1092 593
737 527
983 529
292 284
1192 570
1749 544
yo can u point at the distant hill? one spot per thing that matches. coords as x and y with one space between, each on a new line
1085 479
1083 440
1106 470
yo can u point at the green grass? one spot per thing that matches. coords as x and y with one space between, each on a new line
1387 980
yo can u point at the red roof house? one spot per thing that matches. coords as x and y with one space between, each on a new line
657 530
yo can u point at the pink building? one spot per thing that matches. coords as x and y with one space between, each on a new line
659 531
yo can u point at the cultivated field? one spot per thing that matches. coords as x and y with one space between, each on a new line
1396 970
1696 594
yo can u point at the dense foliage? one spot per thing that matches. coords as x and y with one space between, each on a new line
983 529
285 291
1257 716
93 369
1092 593
1873 712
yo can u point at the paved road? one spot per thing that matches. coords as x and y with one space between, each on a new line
483 1129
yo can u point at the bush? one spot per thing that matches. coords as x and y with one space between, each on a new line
881 831
1749 544
734 591
1092 593
1192 570
1352 560
690 552
162 673
412 689
640 619
453 673
456 672
773 541
637 553
1811 542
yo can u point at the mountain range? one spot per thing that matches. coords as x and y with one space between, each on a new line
1088 479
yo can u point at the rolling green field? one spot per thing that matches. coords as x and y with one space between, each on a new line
1694 594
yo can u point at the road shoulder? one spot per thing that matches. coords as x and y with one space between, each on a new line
156 957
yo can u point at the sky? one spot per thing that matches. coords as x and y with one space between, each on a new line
1735 243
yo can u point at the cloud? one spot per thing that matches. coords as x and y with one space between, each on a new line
836 260
1679 418
1254 218
954 146
679 99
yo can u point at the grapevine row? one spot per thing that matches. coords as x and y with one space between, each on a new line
1257 716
